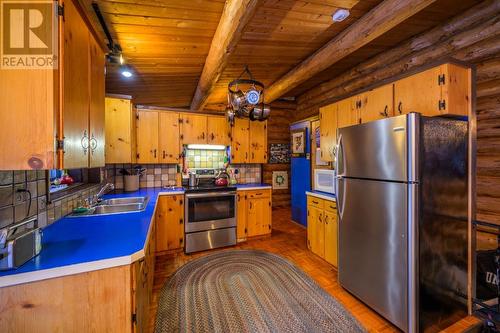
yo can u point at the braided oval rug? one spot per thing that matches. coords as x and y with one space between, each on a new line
248 291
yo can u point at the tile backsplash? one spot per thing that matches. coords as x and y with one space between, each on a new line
15 200
204 158
247 173
156 175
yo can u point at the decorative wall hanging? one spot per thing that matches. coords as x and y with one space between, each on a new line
245 98
280 180
298 142
279 153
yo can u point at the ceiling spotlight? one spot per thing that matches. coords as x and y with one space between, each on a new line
126 72
340 15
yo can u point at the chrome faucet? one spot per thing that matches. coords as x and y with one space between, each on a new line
104 189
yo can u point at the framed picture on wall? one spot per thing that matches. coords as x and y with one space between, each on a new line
298 142
280 180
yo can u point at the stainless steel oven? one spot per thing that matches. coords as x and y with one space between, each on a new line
210 217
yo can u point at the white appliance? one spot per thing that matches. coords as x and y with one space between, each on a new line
324 180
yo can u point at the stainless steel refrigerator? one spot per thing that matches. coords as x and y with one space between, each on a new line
402 198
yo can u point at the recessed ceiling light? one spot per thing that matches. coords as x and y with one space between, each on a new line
340 15
126 72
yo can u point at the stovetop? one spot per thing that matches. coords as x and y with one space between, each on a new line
208 188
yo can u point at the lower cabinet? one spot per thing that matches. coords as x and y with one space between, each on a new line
322 228
169 220
116 299
254 211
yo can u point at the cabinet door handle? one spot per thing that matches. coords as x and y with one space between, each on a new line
213 136
203 135
260 193
385 113
250 205
400 107
253 156
326 219
315 202
93 144
320 218
163 154
85 142
154 153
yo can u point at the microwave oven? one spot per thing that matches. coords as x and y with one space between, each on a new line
324 180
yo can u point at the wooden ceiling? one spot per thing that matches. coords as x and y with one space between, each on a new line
167 41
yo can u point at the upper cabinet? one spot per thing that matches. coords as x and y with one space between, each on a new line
248 141
328 131
55 116
204 129
193 129
147 136
258 142
218 131
120 130
375 104
97 105
437 91
169 144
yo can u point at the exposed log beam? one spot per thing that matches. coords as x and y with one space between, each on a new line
234 18
379 20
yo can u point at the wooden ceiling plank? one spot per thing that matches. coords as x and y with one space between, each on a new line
235 16
379 20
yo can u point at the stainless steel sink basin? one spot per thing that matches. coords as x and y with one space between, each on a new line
125 201
116 206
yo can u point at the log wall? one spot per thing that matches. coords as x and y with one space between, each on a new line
278 131
472 37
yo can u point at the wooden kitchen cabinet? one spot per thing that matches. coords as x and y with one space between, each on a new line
169 144
218 131
76 80
97 105
193 129
120 130
258 142
322 228
240 140
347 115
52 113
253 213
248 141
241 211
328 131
169 219
147 136
375 104
437 91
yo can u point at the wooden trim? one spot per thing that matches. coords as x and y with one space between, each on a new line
181 110
375 23
311 119
236 15
88 22
119 96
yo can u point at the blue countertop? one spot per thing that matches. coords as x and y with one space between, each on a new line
322 195
252 186
73 241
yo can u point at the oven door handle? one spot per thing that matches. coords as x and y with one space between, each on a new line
209 194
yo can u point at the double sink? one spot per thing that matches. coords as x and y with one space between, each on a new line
116 206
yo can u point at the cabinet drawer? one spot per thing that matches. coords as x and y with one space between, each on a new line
258 194
315 202
331 206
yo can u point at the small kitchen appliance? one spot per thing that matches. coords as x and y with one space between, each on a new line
19 244
324 180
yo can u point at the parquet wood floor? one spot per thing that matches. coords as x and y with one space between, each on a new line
289 240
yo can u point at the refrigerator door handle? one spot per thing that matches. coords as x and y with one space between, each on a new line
340 197
339 161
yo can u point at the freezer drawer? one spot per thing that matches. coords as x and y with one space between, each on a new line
373 250
384 149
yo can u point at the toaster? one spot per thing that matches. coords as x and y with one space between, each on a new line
19 243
